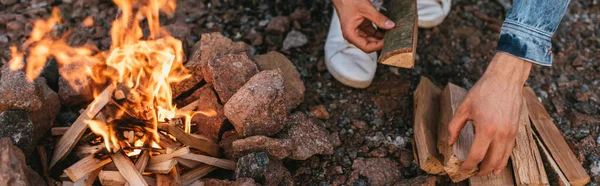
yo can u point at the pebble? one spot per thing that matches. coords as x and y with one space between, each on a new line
380 171
595 168
278 25
294 39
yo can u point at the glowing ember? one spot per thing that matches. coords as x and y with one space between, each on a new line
145 68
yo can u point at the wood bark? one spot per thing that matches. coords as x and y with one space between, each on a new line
400 43
525 157
426 108
455 154
552 140
70 138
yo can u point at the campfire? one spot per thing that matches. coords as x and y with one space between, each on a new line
135 125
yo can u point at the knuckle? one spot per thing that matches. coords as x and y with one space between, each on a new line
490 130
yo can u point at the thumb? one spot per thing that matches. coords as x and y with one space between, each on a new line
458 122
378 19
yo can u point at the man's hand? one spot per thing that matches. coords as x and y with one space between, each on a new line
494 105
357 18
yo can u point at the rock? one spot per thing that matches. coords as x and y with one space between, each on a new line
309 137
424 180
213 45
74 87
279 148
14 26
294 87
50 72
263 169
208 125
230 72
8 2
239 182
301 13
43 118
182 33
595 168
278 25
226 144
16 125
13 169
320 112
380 171
18 93
258 108
294 39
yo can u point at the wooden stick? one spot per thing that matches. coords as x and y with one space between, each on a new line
221 163
58 131
111 178
455 154
162 167
202 144
84 167
72 135
505 178
400 46
127 169
86 150
142 161
164 157
91 177
555 169
426 109
551 138
188 163
195 174
168 144
525 157
170 179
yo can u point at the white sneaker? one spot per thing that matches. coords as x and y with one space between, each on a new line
432 12
346 63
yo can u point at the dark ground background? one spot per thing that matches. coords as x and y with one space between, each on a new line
375 122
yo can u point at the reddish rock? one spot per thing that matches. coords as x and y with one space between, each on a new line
424 180
294 87
230 72
13 169
302 14
182 33
14 26
309 137
258 108
8 2
213 45
278 148
18 93
378 153
210 123
263 169
320 112
379 171
43 118
278 25
75 87
226 144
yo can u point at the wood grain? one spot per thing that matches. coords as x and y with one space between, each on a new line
196 173
127 169
400 43
455 154
504 179
84 167
525 157
552 139
426 109
203 144
221 163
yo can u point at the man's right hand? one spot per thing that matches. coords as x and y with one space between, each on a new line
357 18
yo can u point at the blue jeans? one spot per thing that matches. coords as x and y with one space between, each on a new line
528 28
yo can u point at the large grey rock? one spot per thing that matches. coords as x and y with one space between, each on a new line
16 125
229 73
263 169
309 137
294 87
18 92
258 108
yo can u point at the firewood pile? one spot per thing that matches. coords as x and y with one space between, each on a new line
541 156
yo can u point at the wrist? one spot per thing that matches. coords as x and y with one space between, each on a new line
509 68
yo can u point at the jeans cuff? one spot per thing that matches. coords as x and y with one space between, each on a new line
526 43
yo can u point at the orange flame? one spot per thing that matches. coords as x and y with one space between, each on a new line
145 66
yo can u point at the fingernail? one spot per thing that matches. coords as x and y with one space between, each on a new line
389 24
497 172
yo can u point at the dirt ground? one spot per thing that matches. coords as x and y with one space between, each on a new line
377 121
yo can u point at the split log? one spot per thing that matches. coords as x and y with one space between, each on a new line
170 179
426 108
195 174
454 154
221 163
91 177
505 178
86 150
172 155
111 178
142 161
525 157
127 169
84 167
162 167
551 138
167 143
400 43
66 143
58 131
555 170
203 144
188 163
